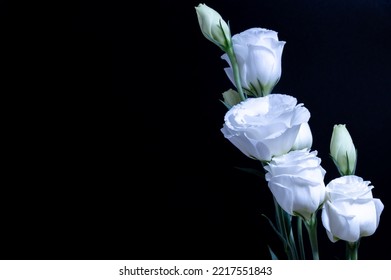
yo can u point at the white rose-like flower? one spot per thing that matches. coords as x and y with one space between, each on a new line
350 211
258 53
296 180
264 127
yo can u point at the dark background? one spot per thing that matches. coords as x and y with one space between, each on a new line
112 124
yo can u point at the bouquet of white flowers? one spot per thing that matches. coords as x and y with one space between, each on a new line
273 129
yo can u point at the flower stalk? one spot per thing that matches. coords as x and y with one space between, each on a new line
311 226
352 250
300 237
235 68
284 227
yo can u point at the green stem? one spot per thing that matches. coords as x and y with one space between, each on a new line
311 226
300 237
281 227
285 229
352 250
235 69
292 244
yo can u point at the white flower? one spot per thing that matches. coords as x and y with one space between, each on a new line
296 181
213 26
258 52
342 150
304 138
350 211
264 127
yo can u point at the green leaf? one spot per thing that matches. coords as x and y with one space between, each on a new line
275 229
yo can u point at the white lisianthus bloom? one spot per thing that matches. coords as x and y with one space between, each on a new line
213 26
264 127
304 138
258 52
296 180
342 150
350 211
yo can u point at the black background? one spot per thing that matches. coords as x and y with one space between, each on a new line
112 125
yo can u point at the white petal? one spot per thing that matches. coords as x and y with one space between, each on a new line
341 226
282 194
379 209
283 143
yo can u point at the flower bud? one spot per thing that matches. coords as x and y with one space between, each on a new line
231 98
342 150
213 26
